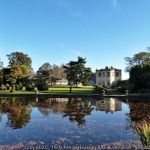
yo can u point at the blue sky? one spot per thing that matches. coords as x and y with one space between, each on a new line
57 31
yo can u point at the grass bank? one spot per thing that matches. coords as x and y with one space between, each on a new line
55 90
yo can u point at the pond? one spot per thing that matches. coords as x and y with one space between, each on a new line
55 122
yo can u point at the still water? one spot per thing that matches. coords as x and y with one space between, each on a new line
69 121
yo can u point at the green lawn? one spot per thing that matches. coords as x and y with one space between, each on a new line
16 92
83 90
57 90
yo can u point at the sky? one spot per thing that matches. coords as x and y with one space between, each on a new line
57 31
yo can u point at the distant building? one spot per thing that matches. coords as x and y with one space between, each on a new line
92 80
108 76
62 82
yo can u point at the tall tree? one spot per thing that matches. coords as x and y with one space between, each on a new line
20 66
19 60
77 72
45 72
139 70
141 58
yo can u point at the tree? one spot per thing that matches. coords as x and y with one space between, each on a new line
20 58
141 58
140 78
51 73
20 61
77 72
45 71
139 69
20 66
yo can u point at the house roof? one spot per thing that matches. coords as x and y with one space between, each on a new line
108 69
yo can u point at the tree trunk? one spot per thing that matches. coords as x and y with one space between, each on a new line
77 84
70 89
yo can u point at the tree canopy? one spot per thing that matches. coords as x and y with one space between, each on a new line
51 73
77 72
139 69
20 58
141 58
20 64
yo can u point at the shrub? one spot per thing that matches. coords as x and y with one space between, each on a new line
3 87
143 129
122 89
42 87
100 89
30 86
143 91
12 90
18 86
8 86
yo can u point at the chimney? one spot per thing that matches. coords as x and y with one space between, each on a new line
106 67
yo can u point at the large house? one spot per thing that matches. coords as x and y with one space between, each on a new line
108 76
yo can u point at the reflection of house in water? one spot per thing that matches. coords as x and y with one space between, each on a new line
109 105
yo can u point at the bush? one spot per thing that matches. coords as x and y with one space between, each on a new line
8 86
3 87
30 86
12 90
122 89
18 86
100 89
143 91
42 87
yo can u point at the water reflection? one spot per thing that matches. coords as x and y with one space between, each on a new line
139 110
77 120
19 110
139 118
51 105
77 109
109 105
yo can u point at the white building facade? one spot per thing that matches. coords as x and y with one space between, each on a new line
108 76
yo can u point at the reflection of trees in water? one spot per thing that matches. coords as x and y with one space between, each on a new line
139 111
18 111
77 109
18 117
140 120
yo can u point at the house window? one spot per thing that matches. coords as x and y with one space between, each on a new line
117 74
108 74
103 74
99 74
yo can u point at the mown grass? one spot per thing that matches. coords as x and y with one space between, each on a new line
16 92
83 90
57 90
